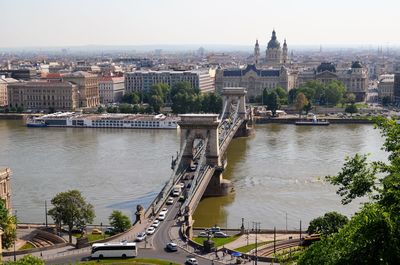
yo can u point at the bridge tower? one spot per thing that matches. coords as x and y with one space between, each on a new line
234 95
200 126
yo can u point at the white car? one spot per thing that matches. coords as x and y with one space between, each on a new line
170 201
182 185
140 237
161 216
150 230
191 261
155 223
165 210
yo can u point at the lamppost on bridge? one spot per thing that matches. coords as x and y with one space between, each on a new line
15 239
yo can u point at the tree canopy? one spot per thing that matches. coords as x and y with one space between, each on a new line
330 93
327 224
71 209
8 223
300 102
272 101
119 221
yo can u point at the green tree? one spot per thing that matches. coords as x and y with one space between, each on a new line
26 260
119 221
125 108
8 223
156 101
282 95
272 102
112 109
100 109
20 109
386 100
328 224
71 209
334 92
308 107
131 98
350 98
352 108
300 102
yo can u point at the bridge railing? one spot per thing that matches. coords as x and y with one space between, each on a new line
197 175
176 175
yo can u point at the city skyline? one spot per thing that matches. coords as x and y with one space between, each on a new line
46 23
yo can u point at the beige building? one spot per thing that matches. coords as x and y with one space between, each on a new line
5 186
43 95
255 80
4 82
144 80
386 86
3 93
88 88
111 89
355 78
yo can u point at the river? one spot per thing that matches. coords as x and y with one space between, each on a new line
277 174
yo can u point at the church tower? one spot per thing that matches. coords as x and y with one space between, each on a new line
274 51
285 58
256 53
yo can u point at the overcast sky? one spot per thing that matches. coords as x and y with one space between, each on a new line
140 22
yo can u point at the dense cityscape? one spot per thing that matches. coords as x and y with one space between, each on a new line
272 152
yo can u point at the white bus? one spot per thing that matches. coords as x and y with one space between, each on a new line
114 250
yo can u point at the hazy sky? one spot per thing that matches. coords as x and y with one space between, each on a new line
135 22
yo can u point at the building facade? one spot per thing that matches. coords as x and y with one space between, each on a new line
88 88
43 95
4 82
3 93
111 89
144 80
255 80
396 84
385 87
5 186
355 79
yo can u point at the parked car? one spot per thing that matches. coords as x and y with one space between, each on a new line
182 185
96 231
215 229
170 201
161 216
165 209
220 234
150 230
110 231
155 223
181 198
202 234
140 237
172 247
191 261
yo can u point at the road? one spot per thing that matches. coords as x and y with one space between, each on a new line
155 245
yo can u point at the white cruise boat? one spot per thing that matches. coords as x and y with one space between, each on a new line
128 121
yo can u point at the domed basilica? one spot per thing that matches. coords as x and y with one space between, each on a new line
275 55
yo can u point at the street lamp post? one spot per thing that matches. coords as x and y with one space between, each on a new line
15 239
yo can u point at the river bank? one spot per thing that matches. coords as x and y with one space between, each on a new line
292 120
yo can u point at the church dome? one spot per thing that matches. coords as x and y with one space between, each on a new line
330 67
273 43
356 64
